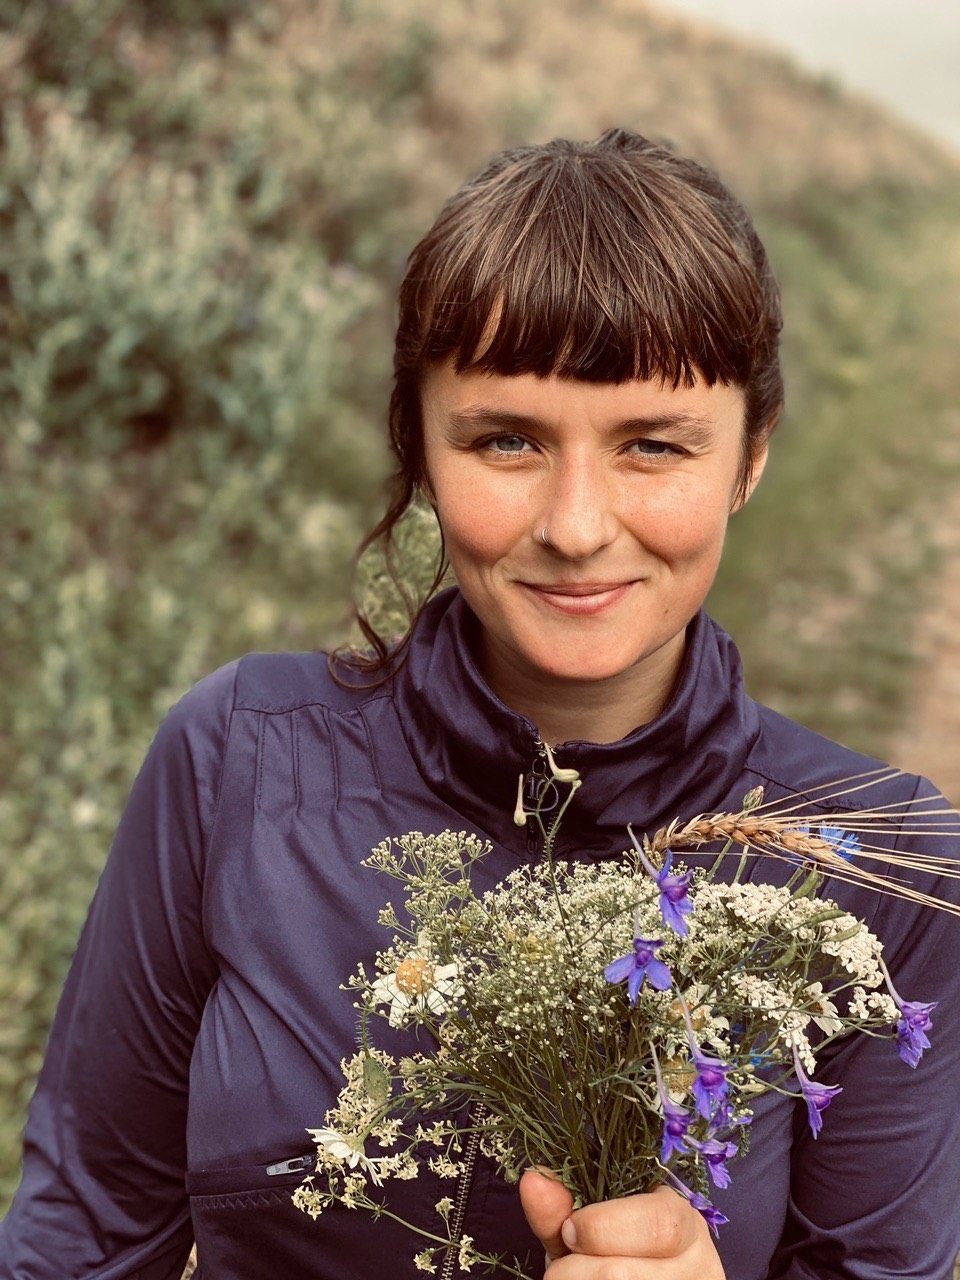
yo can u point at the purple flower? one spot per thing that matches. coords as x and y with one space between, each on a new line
640 963
724 1119
914 1023
713 1216
674 901
676 1121
912 1030
817 1096
711 1086
716 1153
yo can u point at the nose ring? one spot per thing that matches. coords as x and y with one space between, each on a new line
543 537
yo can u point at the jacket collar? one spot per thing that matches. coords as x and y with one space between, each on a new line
471 748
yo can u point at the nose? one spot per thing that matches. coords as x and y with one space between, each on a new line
579 508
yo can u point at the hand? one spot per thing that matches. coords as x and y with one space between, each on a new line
654 1236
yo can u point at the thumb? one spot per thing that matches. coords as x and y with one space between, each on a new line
547 1204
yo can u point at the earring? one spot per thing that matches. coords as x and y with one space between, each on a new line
543 537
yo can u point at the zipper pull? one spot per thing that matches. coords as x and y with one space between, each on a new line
297 1165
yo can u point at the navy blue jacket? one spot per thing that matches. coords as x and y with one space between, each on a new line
202 1023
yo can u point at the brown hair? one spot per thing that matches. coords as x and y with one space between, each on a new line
605 261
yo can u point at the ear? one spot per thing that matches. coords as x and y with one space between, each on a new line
758 462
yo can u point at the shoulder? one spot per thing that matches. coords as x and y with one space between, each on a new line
283 682
797 760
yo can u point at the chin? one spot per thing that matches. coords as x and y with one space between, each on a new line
581 666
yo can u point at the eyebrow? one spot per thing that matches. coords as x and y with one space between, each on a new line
690 426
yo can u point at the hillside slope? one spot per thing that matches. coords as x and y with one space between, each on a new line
203 219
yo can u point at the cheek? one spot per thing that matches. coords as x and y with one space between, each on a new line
480 522
683 520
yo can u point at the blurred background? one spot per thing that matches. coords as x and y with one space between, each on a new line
205 206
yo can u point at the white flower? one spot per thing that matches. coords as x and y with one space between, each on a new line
418 985
826 1016
343 1149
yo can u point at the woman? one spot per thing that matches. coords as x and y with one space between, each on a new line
586 382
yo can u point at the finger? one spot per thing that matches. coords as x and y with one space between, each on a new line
547 1204
577 1266
655 1224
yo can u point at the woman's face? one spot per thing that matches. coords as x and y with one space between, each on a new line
634 483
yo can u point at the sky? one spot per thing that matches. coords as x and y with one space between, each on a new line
904 53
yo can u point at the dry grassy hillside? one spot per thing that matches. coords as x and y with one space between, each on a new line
204 208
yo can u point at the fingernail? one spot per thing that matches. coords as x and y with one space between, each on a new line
569 1233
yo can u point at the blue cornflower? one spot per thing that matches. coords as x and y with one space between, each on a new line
716 1153
714 1218
674 900
640 963
843 843
817 1096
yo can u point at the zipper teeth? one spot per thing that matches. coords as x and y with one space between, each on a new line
463 1193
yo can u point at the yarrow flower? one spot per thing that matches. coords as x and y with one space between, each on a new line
817 1096
674 890
639 964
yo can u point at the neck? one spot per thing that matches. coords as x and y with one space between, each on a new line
586 710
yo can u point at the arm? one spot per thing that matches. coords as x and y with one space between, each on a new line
102 1194
875 1196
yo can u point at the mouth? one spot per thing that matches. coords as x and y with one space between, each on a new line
578 598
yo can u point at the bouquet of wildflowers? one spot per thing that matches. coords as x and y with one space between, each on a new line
610 1022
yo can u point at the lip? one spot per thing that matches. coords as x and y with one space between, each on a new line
582 599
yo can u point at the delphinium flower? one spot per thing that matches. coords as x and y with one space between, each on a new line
676 1119
817 1096
913 1024
716 1152
638 964
710 1213
674 890
711 1086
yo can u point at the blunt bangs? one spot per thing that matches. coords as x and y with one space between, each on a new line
598 261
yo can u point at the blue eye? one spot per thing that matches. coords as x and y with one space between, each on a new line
516 444
654 448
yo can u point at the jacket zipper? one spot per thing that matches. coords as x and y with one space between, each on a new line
299 1164
463 1193
534 784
